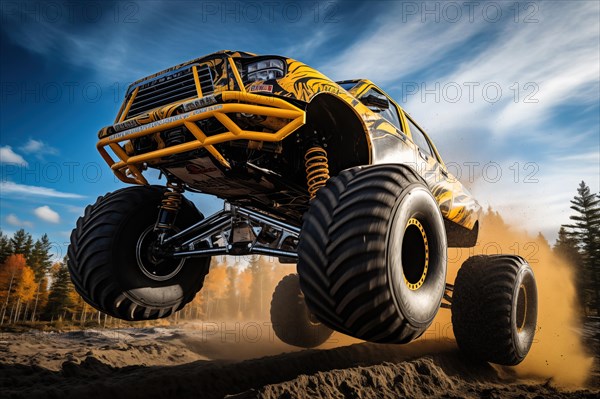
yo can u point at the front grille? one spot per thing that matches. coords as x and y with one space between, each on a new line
206 80
167 89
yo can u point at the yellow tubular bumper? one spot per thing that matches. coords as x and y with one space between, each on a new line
129 168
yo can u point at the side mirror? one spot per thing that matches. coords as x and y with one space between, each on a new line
374 99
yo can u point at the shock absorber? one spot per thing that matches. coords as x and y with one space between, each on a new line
169 207
317 169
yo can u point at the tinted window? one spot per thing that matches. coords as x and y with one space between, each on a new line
419 138
347 85
391 114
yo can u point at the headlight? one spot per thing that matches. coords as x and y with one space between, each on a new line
265 70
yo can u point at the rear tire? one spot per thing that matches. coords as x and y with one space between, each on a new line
291 319
494 308
372 254
111 268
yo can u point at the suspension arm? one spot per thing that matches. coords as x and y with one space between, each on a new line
200 253
234 231
203 228
259 217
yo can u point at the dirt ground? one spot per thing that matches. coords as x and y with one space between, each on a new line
245 360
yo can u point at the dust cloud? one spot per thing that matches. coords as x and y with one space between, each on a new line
557 352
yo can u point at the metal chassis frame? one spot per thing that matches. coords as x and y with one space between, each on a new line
214 235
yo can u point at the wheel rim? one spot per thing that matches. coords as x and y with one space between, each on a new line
153 267
415 254
521 307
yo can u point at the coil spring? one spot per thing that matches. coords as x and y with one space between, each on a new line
172 197
317 169
169 206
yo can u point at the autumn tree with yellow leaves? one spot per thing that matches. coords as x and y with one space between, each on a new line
17 288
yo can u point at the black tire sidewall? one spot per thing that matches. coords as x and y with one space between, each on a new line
134 284
485 308
420 306
290 317
522 340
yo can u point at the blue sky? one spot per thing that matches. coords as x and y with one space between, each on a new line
508 91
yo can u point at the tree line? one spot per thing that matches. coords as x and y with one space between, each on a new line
33 288
232 291
579 244
24 269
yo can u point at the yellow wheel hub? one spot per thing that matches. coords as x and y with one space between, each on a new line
416 285
521 308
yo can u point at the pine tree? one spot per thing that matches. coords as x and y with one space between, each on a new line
60 299
41 298
214 289
6 248
22 243
231 295
39 259
566 247
493 218
244 286
260 294
586 231
542 242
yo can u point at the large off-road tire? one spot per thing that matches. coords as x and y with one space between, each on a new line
494 308
292 321
111 265
372 254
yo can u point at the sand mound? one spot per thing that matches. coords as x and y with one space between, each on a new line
431 377
363 370
116 348
386 380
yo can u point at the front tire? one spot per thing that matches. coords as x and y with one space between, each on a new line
111 266
372 254
292 321
494 308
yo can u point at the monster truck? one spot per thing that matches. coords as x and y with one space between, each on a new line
334 176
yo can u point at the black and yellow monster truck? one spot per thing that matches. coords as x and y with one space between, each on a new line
332 175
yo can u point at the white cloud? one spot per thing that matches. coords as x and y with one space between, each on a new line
592 156
310 44
47 214
398 48
75 209
32 146
8 187
556 58
13 220
39 148
8 156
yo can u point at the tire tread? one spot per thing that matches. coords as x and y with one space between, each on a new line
342 273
